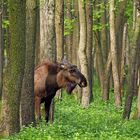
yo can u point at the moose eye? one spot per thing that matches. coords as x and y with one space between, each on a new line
72 70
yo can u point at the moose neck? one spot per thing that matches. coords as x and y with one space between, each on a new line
61 80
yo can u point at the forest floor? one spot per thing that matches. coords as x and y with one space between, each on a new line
101 121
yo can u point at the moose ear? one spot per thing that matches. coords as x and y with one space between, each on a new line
62 66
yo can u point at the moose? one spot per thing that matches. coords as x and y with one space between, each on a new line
50 77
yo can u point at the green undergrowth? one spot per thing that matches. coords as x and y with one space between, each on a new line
101 121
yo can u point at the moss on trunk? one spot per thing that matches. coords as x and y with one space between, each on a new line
15 69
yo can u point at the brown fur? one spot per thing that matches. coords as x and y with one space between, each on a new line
50 77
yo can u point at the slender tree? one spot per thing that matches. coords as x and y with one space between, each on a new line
132 66
51 41
43 30
138 101
75 35
47 36
59 28
123 58
15 69
89 23
47 30
105 95
68 38
82 53
104 31
1 48
120 23
27 96
114 58
99 55
99 61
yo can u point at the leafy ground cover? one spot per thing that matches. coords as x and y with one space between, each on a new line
101 121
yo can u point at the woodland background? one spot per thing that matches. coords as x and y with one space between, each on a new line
102 37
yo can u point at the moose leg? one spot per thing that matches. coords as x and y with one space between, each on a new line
48 101
47 108
38 107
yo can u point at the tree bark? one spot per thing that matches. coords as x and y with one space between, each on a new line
89 23
43 30
68 38
59 28
120 21
132 69
1 49
27 96
82 53
123 59
47 36
15 69
75 36
138 100
51 38
107 74
104 32
51 42
37 45
115 71
99 61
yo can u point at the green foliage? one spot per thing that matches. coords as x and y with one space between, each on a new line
99 26
129 12
97 15
5 24
101 121
68 26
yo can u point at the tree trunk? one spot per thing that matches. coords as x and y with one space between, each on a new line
68 38
27 96
115 71
138 100
47 36
99 49
51 39
132 69
75 39
136 72
123 59
99 61
120 21
43 30
104 33
37 45
15 69
134 14
89 23
51 42
106 88
82 53
1 49
59 28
